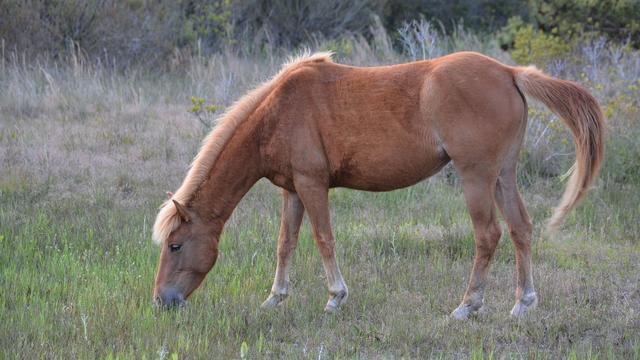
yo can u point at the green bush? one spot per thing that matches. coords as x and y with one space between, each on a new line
616 19
536 47
507 35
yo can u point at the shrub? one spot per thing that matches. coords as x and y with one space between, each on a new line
536 47
112 31
617 19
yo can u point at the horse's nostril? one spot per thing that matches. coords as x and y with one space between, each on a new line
182 303
176 303
169 299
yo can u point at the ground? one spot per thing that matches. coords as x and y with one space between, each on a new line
77 275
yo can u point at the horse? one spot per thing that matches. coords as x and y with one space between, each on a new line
318 125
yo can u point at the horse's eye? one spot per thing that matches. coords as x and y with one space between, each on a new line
175 247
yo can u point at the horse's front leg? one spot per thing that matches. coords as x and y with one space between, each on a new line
292 213
315 196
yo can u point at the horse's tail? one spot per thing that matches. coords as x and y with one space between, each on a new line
580 111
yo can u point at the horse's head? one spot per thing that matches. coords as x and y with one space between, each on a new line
187 255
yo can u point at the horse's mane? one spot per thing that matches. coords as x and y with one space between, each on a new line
167 219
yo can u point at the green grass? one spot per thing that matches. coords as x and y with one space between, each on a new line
405 255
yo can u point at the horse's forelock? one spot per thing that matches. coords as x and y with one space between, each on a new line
166 221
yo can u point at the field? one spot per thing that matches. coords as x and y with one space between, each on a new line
87 154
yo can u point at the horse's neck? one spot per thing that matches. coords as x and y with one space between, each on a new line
235 171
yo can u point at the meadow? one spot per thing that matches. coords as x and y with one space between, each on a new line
87 153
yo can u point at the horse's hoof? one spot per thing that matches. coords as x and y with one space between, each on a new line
331 309
335 301
464 311
524 305
274 300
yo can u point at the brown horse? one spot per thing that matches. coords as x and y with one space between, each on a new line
318 125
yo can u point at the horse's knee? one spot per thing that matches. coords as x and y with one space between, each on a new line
286 247
495 232
488 239
521 234
326 245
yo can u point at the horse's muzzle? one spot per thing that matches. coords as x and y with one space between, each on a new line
169 299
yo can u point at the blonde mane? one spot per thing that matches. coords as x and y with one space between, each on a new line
167 219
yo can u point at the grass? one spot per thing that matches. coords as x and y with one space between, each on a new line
405 255
86 157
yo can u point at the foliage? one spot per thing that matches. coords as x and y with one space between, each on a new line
290 22
482 15
536 47
119 33
203 112
206 20
617 19
507 35
122 33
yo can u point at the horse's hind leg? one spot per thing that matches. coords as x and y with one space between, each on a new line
520 230
315 196
479 187
292 213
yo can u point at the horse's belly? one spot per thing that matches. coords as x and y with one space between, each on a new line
387 168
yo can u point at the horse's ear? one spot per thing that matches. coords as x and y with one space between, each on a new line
182 211
169 194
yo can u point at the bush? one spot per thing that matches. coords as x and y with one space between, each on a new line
139 31
112 31
479 15
289 22
618 20
536 47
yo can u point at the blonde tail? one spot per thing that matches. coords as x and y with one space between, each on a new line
580 111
